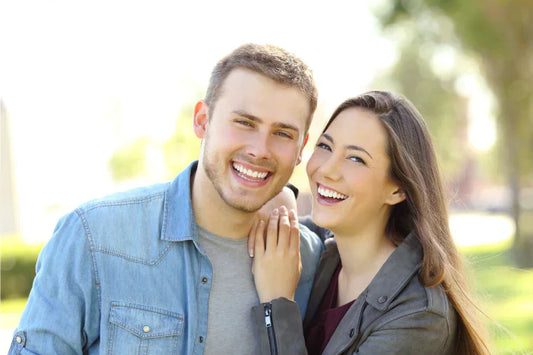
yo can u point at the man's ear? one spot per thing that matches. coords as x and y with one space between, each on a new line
395 196
199 123
306 138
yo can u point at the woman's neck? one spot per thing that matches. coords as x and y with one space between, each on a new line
362 255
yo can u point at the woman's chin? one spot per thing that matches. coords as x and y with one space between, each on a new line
324 221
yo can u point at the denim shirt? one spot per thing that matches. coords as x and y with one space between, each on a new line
125 274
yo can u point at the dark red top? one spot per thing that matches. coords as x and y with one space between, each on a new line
326 319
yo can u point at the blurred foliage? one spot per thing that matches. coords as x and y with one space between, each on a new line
432 92
499 35
183 147
17 266
135 159
129 161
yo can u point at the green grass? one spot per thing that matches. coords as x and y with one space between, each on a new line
507 297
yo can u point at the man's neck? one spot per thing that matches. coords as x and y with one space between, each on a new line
213 214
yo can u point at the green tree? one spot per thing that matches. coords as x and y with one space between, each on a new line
499 34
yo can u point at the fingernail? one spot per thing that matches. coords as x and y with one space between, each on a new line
283 210
292 213
275 212
251 253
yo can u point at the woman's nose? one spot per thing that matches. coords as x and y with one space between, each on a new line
330 168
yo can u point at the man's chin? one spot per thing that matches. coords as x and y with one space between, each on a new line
246 207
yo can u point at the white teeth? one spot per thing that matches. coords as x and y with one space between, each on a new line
330 193
248 173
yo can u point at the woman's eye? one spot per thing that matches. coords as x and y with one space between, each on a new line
324 146
356 159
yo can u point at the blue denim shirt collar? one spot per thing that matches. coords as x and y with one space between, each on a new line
178 217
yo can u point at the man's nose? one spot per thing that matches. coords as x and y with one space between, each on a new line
258 146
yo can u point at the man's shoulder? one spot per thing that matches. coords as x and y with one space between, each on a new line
311 246
132 197
310 240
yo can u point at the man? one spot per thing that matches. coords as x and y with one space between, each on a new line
165 269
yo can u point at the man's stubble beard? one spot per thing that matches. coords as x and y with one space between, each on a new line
216 181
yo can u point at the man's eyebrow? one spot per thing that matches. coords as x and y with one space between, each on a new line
352 147
259 120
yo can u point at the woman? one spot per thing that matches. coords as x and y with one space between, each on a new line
390 281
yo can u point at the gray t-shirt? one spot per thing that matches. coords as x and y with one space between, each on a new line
232 296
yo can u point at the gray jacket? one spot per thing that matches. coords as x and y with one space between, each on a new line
395 314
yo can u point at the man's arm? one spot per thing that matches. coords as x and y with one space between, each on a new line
62 314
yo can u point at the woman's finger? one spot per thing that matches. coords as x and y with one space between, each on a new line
284 229
272 231
295 232
251 238
259 245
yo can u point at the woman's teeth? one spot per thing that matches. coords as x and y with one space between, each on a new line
331 194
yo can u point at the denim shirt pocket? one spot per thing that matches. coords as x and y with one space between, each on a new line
138 329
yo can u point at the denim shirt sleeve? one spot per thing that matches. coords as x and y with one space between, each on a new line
62 313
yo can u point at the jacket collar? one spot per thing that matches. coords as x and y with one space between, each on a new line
178 220
394 275
397 271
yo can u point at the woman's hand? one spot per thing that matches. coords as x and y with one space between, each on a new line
285 198
277 265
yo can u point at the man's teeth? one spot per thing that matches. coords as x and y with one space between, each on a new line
332 194
249 173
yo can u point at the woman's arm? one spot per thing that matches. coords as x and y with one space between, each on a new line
415 333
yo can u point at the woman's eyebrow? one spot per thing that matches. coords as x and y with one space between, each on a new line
351 146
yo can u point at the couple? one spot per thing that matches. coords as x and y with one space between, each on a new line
165 269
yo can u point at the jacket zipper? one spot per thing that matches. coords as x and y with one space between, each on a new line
270 329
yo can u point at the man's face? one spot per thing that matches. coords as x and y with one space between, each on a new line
253 139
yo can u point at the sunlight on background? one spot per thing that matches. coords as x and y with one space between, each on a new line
84 78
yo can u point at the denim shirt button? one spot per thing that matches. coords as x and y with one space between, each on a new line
146 329
204 280
18 339
382 299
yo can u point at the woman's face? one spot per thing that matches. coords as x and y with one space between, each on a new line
349 174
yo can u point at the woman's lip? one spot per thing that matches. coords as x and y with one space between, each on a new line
330 193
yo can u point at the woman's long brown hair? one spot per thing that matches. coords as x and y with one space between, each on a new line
414 167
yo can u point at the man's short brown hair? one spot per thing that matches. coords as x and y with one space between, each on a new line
271 61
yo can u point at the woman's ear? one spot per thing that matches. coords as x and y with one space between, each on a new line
200 121
396 196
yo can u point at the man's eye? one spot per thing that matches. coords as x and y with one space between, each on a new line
284 134
244 123
324 146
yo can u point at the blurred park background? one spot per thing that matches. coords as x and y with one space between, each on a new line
97 97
